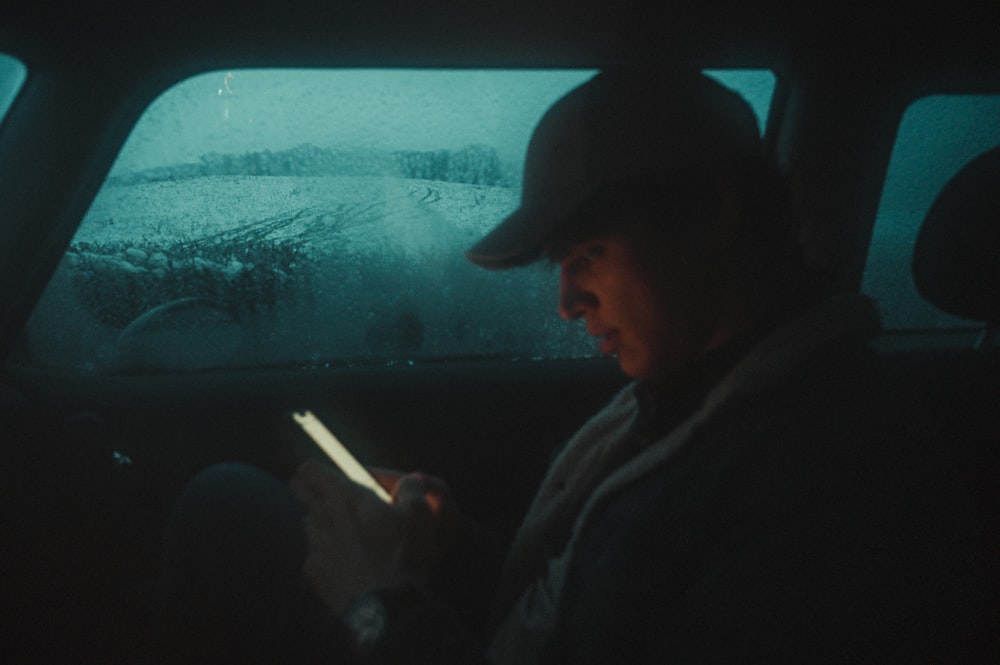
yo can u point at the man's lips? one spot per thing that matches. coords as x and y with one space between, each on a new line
609 342
610 338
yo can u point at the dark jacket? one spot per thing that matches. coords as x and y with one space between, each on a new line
801 512
817 523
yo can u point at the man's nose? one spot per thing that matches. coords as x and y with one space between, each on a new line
573 300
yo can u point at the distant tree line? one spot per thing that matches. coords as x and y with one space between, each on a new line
475 164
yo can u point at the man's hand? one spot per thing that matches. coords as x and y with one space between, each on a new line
359 543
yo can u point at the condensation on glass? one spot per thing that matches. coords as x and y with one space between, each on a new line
937 136
313 218
12 75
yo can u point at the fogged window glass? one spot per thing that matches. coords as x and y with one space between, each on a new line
937 137
12 73
312 218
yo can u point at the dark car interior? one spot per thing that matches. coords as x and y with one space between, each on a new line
92 461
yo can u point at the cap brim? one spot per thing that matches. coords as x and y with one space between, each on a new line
516 241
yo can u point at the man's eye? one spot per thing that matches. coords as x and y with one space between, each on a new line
579 264
584 258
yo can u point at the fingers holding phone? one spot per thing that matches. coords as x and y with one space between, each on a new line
434 490
366 531
357 542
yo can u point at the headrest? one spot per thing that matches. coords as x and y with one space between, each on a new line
956 260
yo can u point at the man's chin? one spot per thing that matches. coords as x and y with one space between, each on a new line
630 367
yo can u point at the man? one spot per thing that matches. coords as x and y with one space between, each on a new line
742 499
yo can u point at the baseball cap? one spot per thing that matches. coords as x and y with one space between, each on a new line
624 125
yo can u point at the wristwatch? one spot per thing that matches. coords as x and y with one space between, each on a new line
365 618
369 613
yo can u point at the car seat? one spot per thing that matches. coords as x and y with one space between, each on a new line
956 266
956 260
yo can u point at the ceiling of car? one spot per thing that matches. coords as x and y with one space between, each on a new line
514 32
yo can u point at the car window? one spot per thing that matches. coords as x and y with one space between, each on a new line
937 137
313 218
12 75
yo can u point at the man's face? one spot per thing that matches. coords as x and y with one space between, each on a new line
655 325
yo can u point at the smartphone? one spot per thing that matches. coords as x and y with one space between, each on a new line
336 451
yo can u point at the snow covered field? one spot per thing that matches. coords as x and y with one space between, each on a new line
415 215
247 270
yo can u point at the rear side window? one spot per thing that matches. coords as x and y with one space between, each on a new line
12 75
313 218
937 137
